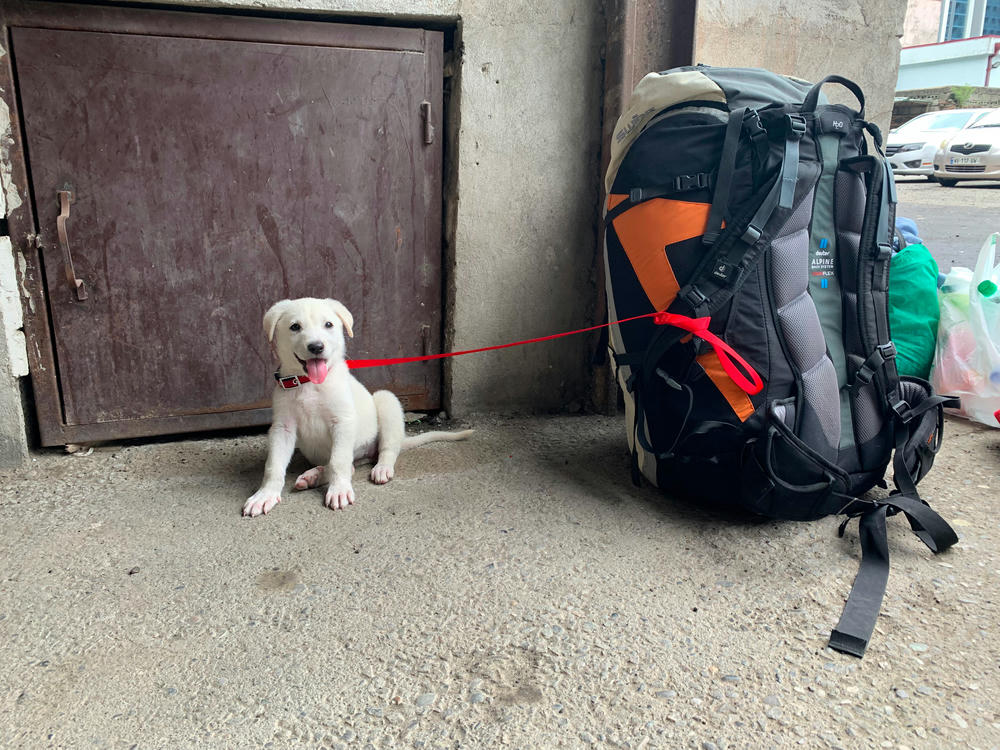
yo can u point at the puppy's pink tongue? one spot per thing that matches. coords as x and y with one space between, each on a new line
316 369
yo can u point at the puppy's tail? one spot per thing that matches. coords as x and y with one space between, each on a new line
432 437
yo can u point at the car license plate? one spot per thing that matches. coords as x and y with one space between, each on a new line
965 160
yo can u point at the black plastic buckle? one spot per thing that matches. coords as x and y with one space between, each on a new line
902 409
888 351
754 126
687 182
884 252
751 235
693 297
796 126
635 195
864 374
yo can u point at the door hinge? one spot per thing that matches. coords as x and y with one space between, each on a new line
425 113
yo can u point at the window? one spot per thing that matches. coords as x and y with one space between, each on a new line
992 120
936 121
956 19
991 20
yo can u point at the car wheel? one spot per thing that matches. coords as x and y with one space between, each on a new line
947 183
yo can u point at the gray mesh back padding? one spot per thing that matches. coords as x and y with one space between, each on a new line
849 209
786 413
789 276
803 344
788 267
867 420
849 212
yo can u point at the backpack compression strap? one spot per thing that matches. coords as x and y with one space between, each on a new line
857 622
737 368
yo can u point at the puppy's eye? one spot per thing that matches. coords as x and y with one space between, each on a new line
329 324
295 327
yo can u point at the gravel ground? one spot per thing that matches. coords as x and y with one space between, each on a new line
515 590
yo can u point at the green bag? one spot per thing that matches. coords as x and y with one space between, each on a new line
913 309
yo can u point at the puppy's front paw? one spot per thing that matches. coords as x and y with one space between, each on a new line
309 478
339 495
260 502
382 473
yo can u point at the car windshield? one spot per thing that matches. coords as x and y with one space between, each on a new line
936 121
992 120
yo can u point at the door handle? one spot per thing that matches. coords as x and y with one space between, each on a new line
65 198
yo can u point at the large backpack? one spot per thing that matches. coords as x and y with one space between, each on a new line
749 214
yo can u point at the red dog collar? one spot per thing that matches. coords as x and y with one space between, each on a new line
291 381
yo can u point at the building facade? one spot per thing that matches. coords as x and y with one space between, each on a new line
962 19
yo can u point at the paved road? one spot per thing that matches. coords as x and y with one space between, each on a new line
952 222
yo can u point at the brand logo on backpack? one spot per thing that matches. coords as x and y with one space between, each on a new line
822 263
724 271
834 122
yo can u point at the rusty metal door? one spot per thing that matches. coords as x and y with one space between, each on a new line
182 184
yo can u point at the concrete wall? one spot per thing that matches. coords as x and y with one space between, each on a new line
522 241
522 235
853 38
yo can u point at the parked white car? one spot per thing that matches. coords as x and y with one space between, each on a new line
910 148
972 153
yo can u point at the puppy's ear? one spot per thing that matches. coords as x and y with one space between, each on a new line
344 314
272 315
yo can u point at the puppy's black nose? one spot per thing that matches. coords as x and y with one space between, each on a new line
316 347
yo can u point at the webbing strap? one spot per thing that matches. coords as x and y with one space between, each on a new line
857 622
782 193
755 228
876 360
928 403
737 368
727 167
926 523
790 162
889 179
672 186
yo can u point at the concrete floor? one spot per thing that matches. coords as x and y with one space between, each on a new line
953 222
515 590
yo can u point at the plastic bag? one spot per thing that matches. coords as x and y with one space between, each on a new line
913 309
967 358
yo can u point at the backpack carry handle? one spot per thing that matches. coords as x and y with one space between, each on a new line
809 103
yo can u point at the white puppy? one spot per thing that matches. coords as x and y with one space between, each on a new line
323 410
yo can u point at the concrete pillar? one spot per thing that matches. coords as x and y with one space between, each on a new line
857 40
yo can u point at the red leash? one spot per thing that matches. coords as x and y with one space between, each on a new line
696 326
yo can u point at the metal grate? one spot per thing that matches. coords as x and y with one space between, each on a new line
966 168
970 148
